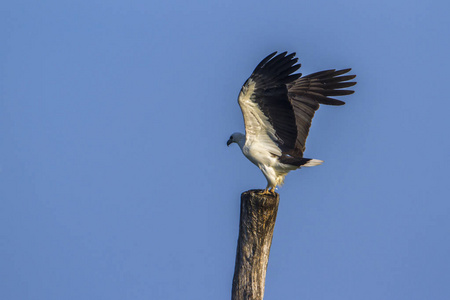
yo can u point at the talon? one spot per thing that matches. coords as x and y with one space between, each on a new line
269 191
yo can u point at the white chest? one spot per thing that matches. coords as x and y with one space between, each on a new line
258 155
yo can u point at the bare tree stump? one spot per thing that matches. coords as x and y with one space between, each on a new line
257 221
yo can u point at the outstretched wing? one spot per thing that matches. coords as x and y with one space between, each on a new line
306 93
268 114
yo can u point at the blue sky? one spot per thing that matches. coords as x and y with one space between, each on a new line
116 183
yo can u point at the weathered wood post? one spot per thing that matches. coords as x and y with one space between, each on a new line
257 221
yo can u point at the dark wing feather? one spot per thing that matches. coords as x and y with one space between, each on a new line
268 84
306 93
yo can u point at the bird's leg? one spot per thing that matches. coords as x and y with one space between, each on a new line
269 190
266 191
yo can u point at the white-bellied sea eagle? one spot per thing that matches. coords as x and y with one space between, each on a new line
278 107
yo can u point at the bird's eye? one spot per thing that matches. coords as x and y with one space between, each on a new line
231 137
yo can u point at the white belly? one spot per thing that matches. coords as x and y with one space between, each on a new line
259 155
267 160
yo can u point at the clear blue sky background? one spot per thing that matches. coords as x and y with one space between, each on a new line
116 183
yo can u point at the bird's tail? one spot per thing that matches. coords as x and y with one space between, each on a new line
310 162
298 162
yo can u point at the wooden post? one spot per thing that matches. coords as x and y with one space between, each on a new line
257 221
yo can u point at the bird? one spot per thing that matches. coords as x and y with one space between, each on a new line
278 106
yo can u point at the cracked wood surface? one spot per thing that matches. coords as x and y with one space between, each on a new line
257 222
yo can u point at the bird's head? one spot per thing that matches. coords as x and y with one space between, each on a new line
236 137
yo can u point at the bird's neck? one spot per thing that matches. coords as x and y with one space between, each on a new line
241 142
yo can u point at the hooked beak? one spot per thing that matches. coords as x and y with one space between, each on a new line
229 142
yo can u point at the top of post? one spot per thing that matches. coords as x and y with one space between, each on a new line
259 198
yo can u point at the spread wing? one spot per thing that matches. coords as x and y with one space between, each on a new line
308 92
268 114
278 106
